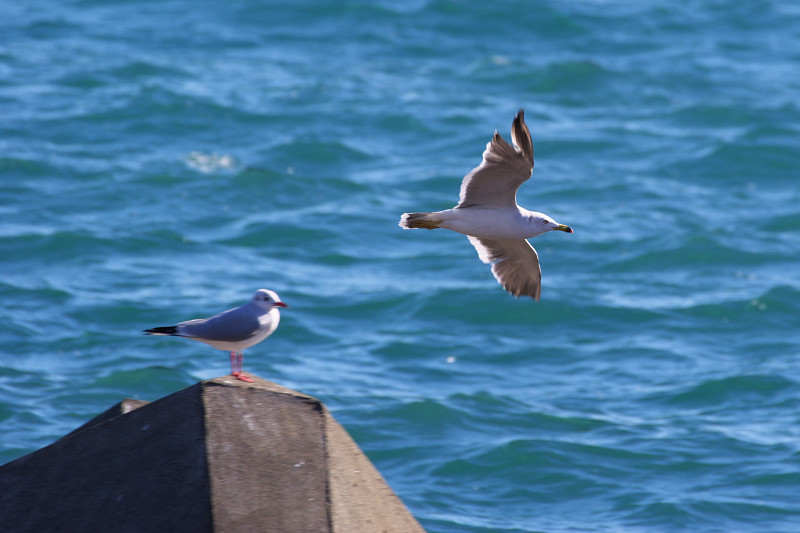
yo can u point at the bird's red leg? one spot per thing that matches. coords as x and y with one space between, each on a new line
234 372
240 364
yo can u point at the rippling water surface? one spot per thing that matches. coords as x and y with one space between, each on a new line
161 161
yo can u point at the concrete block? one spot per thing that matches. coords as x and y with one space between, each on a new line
222 455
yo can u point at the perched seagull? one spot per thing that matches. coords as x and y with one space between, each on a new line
233 330
488 214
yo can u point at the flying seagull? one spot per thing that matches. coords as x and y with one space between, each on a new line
488 214
233 330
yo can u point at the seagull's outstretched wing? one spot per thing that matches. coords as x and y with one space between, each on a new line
495 181
515 264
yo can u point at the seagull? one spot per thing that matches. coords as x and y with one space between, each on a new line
488 214
233 330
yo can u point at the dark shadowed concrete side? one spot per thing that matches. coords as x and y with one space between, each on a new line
142 471
222 455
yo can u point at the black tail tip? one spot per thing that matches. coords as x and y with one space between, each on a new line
164 330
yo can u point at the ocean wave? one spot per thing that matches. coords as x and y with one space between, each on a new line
736 390
693 251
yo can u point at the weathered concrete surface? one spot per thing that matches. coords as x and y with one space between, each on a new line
221 455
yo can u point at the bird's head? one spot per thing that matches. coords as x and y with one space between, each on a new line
546 223
267 299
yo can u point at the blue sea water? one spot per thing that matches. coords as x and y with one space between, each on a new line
160 161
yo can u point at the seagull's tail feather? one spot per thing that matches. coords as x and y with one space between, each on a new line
164 330
419 220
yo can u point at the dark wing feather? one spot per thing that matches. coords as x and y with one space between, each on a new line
521 136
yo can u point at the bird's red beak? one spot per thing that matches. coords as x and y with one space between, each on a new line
280 304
